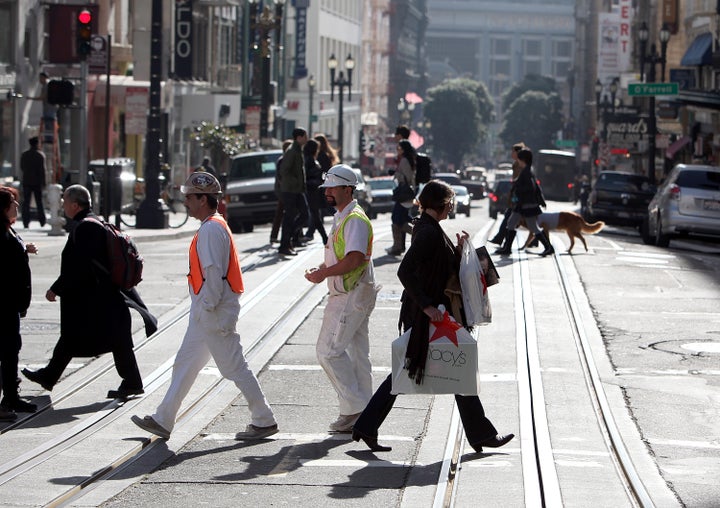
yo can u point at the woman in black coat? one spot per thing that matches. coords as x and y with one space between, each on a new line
315 195
526 199
14 302
430 265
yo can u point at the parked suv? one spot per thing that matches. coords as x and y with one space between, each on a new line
250 192
688 202
620 198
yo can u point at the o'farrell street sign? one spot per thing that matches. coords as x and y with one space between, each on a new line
652 89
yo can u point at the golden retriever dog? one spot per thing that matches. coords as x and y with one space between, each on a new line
570 222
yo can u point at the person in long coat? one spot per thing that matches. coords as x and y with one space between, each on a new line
14 302
94 315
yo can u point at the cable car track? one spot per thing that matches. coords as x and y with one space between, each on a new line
540 479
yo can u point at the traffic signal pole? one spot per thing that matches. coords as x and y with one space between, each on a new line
82 135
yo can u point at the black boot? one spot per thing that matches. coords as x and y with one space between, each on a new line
507 246
546 243
502 231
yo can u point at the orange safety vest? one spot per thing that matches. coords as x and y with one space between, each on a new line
234 273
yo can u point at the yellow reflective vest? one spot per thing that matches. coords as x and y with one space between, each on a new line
351 279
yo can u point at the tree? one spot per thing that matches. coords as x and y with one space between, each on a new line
533 118
531 83
222 142
458 110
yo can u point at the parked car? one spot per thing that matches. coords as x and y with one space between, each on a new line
363 195
620 198
499 198
462 200
381 189
250 192
688 202
449 178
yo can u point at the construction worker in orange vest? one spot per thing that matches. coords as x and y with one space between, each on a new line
215 284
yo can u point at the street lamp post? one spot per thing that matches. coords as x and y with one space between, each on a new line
266 23
341 82
311 90
653 58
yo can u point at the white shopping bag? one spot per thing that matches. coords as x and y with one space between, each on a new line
474 287
451 365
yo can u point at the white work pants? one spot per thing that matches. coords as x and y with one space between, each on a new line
343 347
202 340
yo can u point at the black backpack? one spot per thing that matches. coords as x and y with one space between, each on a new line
423 168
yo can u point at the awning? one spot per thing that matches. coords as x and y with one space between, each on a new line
676 146
699 52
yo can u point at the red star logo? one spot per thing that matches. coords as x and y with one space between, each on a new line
446 328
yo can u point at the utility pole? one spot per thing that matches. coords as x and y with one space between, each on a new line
150 214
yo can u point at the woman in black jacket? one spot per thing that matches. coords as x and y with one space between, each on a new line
315 195
526 199
430 265
14 303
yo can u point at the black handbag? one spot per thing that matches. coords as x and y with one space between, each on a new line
403 192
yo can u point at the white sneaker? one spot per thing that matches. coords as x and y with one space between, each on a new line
255 432
344 423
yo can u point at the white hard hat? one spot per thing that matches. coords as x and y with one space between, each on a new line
201 182
340 175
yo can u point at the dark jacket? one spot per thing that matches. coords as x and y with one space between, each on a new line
93 313
425 271
292 170
526 195
314 174
17 285
32 165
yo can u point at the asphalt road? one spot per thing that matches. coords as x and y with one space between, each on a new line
656 310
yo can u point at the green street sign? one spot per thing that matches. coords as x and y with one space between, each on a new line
566 143
651 89
313 118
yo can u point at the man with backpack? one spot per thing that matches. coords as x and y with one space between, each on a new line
94 315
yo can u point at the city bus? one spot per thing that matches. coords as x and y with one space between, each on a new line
556 171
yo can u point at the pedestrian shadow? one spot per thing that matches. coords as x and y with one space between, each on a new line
286 460
386 259
379 476
48 415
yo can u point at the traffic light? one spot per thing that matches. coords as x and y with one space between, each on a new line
84 33
60 92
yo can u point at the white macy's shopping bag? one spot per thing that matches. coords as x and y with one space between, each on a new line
451 365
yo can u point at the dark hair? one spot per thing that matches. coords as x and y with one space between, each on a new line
525 155
33 141
519 146
403 131
7 196
327 148
408 151
311 148
212 200
435 195
297 132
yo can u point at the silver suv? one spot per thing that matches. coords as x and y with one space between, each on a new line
250 192
688 202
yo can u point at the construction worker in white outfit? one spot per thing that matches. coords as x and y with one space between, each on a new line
215 283
343 346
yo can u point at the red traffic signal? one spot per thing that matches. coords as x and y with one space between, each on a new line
85 17
84 32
